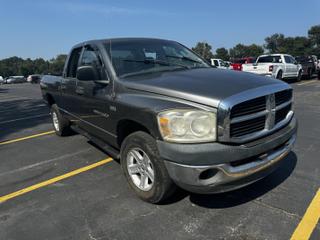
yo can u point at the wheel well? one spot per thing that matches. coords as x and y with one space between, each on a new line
50 99
126 127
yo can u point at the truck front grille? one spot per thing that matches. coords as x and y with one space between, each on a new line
261 114
247 127
249 107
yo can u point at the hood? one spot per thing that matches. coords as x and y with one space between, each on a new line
206 86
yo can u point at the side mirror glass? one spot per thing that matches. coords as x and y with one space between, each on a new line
87 73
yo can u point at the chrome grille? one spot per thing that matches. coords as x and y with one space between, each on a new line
256 117
249 107
246 127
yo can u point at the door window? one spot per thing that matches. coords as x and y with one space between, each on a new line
287 59
91 58
73 63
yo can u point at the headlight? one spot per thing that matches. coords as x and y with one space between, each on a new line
187 126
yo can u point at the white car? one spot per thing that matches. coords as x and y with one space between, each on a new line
219 63
1 80
280 66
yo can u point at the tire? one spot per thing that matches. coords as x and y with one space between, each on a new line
279 75
140 145
309 76
299 76
60 124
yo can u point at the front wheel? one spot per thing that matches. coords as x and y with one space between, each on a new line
299 76
144 169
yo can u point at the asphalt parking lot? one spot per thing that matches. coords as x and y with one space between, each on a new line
96 202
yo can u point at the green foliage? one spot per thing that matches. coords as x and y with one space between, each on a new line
222 53
204 50
240 51
314 35
18 66
274 42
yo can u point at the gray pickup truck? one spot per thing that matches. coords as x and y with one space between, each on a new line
170 118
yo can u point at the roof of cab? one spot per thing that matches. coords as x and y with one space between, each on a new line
131 39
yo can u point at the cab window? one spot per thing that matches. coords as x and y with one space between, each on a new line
91 58
73 63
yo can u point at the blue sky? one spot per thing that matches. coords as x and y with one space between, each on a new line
45 28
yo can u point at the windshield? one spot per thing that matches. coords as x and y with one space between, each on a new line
132 57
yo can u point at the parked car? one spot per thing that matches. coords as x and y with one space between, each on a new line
280 66
15 79
34 78
170 117
308 65
1 80
237 63
219 63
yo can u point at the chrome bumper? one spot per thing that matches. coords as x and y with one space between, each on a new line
228 176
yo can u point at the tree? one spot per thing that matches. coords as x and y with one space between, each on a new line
274 42
314 35
57 64
18 66
240 51
204 50
222 53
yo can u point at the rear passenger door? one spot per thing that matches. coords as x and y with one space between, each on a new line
94 98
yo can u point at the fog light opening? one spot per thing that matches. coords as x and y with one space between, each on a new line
209 173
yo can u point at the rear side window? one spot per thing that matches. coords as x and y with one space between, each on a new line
269 59
216 63
73 63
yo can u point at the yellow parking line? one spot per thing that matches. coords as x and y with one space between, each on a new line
309 220
25 138
307 82
53 180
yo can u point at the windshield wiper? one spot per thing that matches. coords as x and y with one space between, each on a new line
184 58
160 62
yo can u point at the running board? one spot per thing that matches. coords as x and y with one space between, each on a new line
114 153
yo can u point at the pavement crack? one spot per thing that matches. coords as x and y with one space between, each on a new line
277 209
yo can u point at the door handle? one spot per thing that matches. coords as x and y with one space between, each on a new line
79 90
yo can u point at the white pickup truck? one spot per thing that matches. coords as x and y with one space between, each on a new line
280 66
219 63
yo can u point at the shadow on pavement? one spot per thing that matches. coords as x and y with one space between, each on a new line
16 115
243 195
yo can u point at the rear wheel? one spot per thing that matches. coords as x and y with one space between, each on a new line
60 124
144 169
279 75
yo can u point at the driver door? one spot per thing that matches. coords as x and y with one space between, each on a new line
94 98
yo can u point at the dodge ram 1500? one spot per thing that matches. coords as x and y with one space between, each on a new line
170 118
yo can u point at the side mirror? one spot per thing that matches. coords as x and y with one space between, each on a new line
87 73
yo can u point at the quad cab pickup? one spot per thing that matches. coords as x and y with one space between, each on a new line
280 66
171 118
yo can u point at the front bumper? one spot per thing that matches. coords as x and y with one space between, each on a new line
220 167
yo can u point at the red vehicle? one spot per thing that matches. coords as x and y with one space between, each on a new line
237 63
